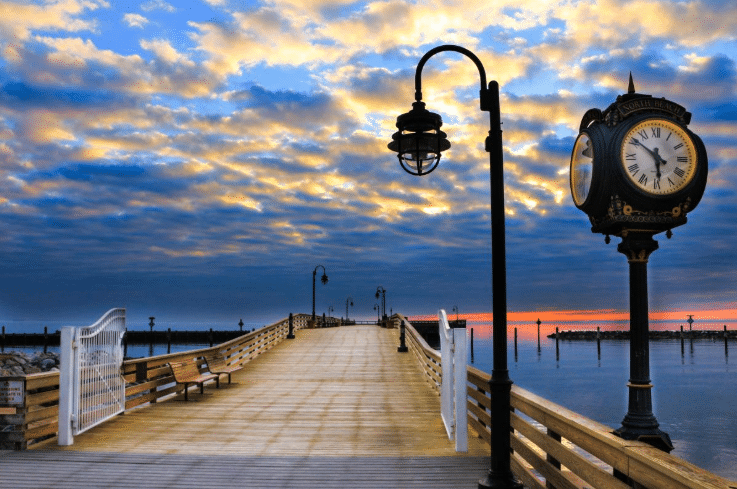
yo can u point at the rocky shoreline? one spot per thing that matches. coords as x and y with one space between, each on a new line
19 364
654 335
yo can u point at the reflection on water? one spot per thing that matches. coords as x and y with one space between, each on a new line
694 394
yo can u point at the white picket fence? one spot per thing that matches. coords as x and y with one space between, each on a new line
91 387
453 383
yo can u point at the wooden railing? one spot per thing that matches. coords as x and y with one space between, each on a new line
148 380
554 447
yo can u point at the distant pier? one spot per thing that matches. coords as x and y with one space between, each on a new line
654 335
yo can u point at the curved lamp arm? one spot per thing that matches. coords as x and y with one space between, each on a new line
483 93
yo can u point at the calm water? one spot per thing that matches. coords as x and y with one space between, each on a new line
694 394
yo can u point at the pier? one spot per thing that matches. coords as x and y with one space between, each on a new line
333 407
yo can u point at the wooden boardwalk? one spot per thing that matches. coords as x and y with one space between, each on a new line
335 407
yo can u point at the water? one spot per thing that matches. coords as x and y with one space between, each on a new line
694 394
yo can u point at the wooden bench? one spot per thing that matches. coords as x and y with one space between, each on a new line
216 364
186 372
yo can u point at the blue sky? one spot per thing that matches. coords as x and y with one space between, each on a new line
197 160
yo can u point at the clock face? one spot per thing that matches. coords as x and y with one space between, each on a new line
658 157
582 168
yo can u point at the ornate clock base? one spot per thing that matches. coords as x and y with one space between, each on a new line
622 217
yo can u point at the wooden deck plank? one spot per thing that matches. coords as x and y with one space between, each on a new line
331 392
84 470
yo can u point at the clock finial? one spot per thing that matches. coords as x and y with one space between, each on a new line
631 88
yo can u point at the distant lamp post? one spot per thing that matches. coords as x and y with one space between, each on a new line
324 280
377 308
348 301
151 324
240 324
455 310
690 322
418 144
538 334
381 291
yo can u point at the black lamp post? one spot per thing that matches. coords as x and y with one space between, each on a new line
324 280
348 301
419 143
377 308
151 323
381 291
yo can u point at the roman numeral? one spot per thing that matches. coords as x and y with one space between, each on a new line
669 135
643 134
670 182
633 169
631 157
682 159
656 184
643 179
678 146
656 132
679 172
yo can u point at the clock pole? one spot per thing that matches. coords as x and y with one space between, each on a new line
639 423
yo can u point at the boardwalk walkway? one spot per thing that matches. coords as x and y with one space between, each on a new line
336 407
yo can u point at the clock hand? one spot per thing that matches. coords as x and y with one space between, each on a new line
658 159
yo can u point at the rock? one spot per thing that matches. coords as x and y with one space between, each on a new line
47 364
20 363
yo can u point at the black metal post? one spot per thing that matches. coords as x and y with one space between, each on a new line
324 281
151 336
500 473
639 423
290 335
471 345
402 348
348 301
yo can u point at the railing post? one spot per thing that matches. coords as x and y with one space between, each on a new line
66 386
290 335
553 461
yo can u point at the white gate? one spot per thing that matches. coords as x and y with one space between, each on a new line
91 387
453 395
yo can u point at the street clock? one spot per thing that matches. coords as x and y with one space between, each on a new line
636 170
637 166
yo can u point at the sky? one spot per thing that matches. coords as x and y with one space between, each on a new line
198 160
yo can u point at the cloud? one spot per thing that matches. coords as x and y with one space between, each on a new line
19 19
135 20
157 5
